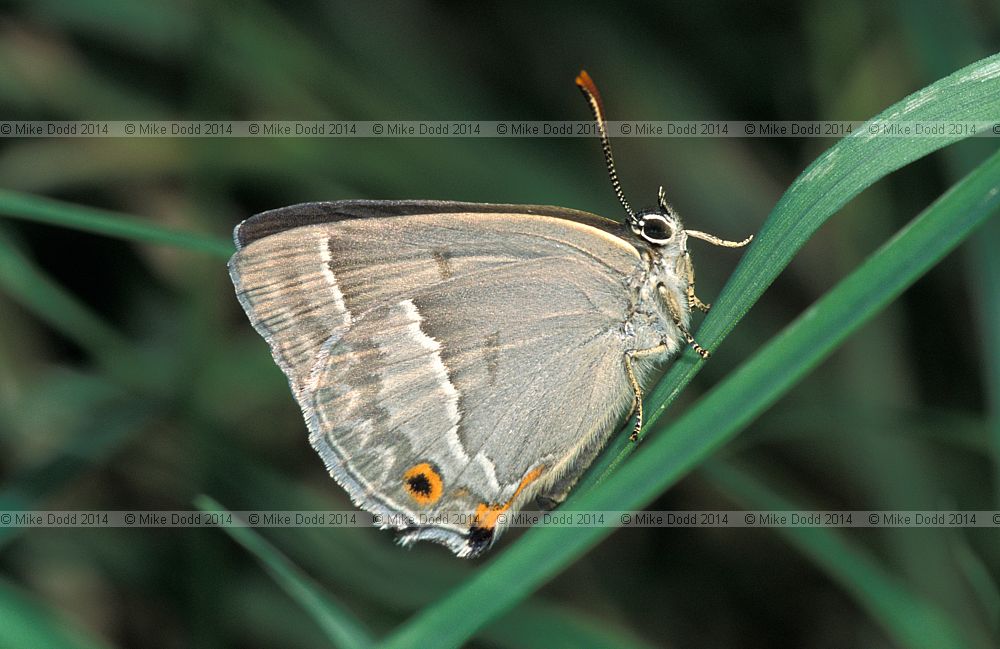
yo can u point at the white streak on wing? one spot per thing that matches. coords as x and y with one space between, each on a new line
331 280
489 470
440 372
388 461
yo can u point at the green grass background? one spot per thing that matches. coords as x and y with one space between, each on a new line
860 366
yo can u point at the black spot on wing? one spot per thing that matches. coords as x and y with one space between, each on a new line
419 484
479 539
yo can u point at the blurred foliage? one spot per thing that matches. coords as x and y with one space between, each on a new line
129 377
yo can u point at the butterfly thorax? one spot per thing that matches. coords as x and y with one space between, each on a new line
658 290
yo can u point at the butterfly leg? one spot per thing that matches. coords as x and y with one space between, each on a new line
676 315
693 301
630 357
637 391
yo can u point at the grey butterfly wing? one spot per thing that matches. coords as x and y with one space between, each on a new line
283 276
449 362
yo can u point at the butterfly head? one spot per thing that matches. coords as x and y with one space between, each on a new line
660 228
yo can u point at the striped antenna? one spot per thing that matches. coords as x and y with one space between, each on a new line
589 90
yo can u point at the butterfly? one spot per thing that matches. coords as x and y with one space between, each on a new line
455 360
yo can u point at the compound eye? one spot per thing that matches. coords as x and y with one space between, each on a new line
655 229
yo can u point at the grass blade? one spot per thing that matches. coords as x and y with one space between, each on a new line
543 625
988 287
39 294
719 416
26 625
833 179
112 224
340 626
98 437
909 620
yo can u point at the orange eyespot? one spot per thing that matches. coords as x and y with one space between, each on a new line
423 483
